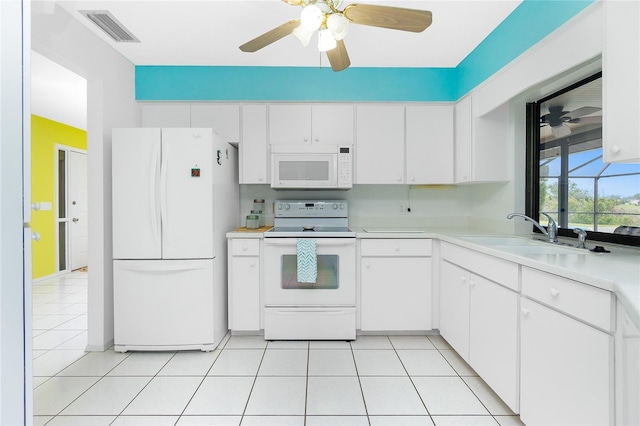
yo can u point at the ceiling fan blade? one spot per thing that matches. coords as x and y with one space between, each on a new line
580 112
394 18
270 36
338 57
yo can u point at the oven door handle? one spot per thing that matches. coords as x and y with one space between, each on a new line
319 242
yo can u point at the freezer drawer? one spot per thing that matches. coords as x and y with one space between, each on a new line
164 305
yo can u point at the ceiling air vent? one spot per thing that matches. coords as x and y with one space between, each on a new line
110 25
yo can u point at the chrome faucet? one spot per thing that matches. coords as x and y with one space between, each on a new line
552 229
582 237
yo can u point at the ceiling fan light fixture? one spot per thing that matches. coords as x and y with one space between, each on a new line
311 17
326 40
338 25
302 34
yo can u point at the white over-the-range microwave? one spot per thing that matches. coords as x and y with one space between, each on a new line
311 166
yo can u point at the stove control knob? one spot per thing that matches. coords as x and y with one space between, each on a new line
287 206
279 206
335 207
341 206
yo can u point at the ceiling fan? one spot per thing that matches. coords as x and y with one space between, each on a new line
557 119
333 25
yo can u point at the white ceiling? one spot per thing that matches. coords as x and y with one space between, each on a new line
57 93
209 32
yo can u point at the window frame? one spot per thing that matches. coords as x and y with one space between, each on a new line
532 178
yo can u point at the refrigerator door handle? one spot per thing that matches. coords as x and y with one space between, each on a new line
163 196
153 183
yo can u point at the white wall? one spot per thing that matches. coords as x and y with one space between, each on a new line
13 379
110 103
567 55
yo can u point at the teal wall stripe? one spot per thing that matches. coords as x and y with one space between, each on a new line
202 83
529 23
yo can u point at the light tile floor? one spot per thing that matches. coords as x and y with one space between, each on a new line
375 380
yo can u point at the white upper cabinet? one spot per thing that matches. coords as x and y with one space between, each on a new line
254 149
463 134
380 144
224 119
429 144
481 144
306 124
621 84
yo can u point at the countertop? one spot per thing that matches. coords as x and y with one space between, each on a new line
618 271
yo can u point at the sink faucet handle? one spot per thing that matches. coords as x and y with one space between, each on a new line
582 237
552 228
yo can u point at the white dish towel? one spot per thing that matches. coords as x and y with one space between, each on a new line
307 260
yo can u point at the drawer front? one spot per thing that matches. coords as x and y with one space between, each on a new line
395 247
245 247
585 302
495 269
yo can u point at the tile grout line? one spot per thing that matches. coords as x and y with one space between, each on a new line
364 401
255 378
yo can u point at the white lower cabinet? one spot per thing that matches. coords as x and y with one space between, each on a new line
395 280
479 317
566 362
244 285
627 369
565 369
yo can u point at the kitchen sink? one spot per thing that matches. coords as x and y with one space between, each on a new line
523 246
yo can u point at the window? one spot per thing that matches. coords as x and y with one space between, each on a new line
566 177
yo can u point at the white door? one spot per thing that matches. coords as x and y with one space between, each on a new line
186 193
79 230
135 183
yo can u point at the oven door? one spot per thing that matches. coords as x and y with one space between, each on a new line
304 171
336 282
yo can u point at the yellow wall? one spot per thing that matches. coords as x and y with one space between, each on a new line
45 134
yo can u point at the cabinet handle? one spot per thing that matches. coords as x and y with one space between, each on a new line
35 236
525 312
614 149
260 179
396 247
399 178
245 248
317 139
306 139
412 178
367 265
252 264
554 292
472 283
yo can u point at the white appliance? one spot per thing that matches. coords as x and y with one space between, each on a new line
325 309
175 195
312 166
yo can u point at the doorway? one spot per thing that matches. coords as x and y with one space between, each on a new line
72 224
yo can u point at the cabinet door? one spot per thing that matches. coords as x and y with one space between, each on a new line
463 135
289 124
223 119
429 144
244 293
332 124
379 144
566 370
395 293
254 158
621 86
454 307
493 337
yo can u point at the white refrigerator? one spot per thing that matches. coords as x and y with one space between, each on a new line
175 196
